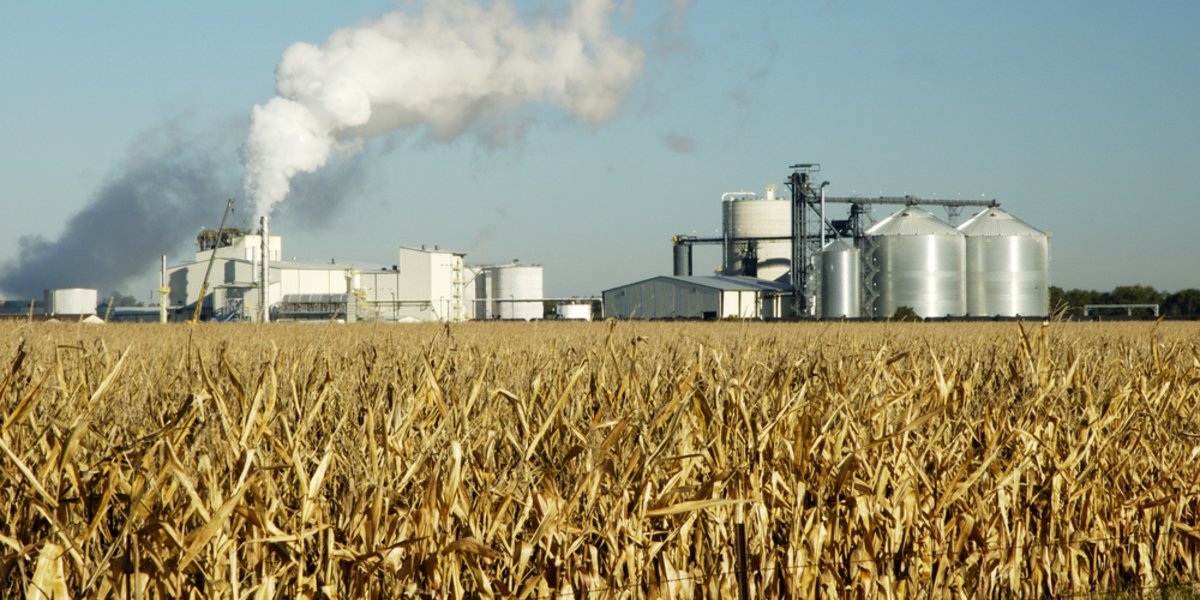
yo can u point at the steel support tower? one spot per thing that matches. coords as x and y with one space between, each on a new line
805 200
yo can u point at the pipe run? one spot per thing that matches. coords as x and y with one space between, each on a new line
738 196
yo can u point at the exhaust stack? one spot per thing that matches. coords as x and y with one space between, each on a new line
264 288
163 292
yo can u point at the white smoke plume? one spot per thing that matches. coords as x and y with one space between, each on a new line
454 66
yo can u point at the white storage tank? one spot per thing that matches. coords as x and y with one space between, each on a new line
914 259
745 215
71 302
516 291
1008 266
841 281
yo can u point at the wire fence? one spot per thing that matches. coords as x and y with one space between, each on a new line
1187 588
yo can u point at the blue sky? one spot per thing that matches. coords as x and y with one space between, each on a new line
1079 116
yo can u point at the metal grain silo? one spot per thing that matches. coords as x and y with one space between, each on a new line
841 281
914 259
747 216
1008 266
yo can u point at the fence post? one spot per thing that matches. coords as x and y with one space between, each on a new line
739 534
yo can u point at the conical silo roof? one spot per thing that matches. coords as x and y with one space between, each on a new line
911 220
994 221
838 245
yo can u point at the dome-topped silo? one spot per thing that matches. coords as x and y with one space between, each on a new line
1008 266
914 259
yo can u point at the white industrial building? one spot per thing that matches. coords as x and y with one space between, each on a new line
697 297
423 285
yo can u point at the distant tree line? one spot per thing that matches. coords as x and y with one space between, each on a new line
1183 304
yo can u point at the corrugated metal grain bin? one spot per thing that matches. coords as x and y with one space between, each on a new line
1008 266
841 281
914 259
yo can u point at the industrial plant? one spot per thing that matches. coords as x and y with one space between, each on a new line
242 276
790 259
783 257
239 275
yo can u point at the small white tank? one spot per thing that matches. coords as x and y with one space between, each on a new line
575 311
71 302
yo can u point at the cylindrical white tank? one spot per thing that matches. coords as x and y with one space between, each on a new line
575 312
918 261
1008 266
756 217
841 281
71 301
517 291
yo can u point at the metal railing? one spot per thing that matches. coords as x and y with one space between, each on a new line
1129 308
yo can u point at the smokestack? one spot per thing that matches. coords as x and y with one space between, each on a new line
265 278
163 292
455 68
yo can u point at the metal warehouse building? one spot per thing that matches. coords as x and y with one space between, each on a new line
695 297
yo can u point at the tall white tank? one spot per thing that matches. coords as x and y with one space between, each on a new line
914 259
71 301
517 291
747 216
1008 266
841 281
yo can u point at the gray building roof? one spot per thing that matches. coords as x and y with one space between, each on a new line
725 283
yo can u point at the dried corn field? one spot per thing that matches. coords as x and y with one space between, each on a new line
609 460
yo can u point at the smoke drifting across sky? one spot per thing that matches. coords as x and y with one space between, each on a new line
454 68
173 181
170 181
